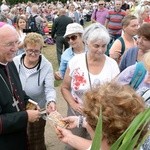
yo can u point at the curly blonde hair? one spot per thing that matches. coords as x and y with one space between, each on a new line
120 104
34 39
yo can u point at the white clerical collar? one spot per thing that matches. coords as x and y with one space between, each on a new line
3 63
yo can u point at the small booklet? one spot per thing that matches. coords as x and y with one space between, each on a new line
56 118
31 105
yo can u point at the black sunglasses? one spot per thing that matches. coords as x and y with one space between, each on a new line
101 4
72 37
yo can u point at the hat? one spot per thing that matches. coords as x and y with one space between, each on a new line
3 1
73 28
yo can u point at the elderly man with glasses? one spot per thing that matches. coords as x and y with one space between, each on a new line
100 14
13 114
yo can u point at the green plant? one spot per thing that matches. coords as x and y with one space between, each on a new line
129 138
98 137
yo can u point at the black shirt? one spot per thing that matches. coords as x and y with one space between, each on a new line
60 24
125 6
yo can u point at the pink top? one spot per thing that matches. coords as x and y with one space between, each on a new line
1 24
100 15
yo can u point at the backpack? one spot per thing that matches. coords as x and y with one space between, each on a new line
138 75
111 43
96 13
146 95
32 24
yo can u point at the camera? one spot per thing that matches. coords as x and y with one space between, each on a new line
27 30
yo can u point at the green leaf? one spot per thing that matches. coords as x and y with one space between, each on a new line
137 123
123 137
143 139
129 145
128 139
96 145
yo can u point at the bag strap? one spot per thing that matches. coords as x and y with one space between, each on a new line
122 44
146 95
95 14
138 75
35 16
87 66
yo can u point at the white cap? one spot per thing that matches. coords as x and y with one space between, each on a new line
3 1
73 28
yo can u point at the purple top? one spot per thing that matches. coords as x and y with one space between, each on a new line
100 15
126 75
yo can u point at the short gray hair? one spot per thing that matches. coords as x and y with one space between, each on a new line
95 32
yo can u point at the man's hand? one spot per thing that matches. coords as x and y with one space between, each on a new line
33 115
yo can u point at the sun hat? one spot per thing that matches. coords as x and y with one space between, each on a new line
73 28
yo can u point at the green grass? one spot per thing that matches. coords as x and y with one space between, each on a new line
49 51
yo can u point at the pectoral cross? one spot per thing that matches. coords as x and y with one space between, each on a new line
15 104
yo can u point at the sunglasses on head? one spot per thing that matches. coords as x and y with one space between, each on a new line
72 37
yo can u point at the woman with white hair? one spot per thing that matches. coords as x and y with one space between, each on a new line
4 7
142 12
88 70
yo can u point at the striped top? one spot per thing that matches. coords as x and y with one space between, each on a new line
114 21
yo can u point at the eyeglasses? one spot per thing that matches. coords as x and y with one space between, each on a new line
72 37
31 51
11 44
100 4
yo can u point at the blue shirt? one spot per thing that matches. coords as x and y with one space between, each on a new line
65 57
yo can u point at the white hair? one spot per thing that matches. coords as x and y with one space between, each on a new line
140 10
95 32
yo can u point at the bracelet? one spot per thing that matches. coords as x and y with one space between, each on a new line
80 122
84 123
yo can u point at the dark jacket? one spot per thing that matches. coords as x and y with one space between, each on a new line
13 123
129 58
59 25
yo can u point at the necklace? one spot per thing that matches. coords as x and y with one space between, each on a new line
87 66
6 84
9 79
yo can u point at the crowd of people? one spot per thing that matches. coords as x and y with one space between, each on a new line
104 65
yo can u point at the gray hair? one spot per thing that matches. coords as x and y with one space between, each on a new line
141 9
95 32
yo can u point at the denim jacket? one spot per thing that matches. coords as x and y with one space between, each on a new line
65 57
